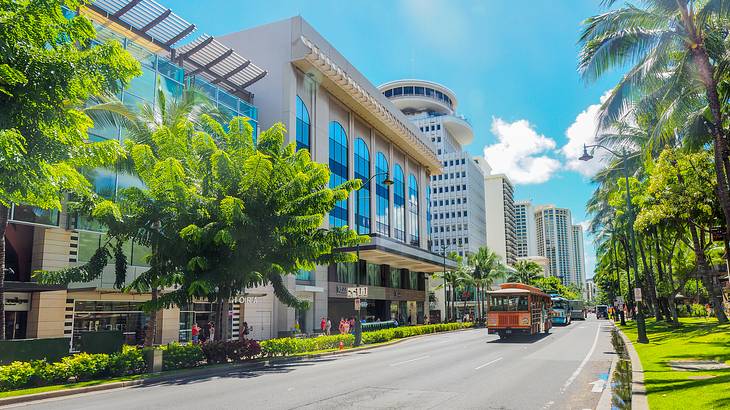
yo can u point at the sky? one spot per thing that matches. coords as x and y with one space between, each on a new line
511 63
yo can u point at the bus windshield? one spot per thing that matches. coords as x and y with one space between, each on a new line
560 304
508 303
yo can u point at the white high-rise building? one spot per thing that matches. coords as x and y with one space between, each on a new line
456 195
500 210
555 240
525 234
579 262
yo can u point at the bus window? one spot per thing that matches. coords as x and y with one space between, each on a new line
508 303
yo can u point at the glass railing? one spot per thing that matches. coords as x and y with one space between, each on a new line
33 215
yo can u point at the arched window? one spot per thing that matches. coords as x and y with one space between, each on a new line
302 125
362 172
413 209
382 195
338 171
399 203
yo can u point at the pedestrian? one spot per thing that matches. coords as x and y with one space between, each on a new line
211 332
342 326
245 330
195 332
346 327
351 324
329 326
708 309
426 319
323 325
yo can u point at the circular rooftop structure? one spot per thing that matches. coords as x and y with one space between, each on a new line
419 95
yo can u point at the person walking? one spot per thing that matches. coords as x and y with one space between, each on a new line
328 327
195 332
323 325
342 326
346 327
211 332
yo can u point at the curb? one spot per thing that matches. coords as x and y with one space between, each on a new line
639 399
201 371
605 402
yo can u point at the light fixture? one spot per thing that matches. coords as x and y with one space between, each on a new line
387 181
586 156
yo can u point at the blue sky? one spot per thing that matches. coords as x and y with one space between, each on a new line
511 63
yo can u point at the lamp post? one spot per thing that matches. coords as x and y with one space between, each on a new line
387 182
623 155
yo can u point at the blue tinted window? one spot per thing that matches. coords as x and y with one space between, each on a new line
413 209
362 172
428 213
382 203
338 170
302 125
399 203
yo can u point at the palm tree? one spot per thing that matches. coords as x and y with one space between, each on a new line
525 272
678 60
487 269
451 281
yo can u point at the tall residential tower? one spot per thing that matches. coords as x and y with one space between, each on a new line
457 195
554 240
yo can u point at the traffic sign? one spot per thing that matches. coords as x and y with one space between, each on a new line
357 292
357 304
637 294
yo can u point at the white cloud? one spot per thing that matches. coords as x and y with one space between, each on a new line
583 131
520 152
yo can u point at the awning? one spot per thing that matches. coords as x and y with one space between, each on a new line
386 251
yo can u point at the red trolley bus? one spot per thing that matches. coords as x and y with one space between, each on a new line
518 308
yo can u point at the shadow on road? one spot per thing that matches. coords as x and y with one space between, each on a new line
521 339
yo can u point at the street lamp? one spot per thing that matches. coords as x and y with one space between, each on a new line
387 182
623 155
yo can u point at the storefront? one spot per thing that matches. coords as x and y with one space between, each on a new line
126 317
17 306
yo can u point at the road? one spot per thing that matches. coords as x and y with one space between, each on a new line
467 369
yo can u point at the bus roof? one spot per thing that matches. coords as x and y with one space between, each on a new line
518 288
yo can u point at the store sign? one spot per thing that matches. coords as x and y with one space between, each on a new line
357 292
637 294
17 302
341 290
245 299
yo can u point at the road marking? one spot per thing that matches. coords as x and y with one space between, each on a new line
583 363
488 363
598 386
411 360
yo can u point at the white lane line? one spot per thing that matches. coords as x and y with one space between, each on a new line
488 363
583 363
409 361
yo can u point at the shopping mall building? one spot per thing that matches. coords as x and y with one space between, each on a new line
329 108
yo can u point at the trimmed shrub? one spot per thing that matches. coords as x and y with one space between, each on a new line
238 350
15 375
177 356
86 366
386 335
129 361
215 352
290 345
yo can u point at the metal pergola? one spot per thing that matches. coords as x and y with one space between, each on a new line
204 55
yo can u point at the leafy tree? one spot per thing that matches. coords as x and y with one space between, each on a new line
49 68
553 285
451 281
487 268
525 272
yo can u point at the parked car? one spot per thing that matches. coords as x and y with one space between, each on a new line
601 312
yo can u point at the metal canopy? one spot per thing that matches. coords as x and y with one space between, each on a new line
219 64
149 18
203 56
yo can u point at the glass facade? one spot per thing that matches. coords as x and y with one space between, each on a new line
382 194
346 272
303 126
92 316
338 170
373 275
362 172
413 209
399 203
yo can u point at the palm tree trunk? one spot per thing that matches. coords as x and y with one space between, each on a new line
4 216
706 275
151 335
649 274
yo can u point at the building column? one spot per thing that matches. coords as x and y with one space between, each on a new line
46 316
168 325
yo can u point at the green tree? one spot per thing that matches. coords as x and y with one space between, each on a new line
525 272
678 62
487 268
451 280
49 68
553 285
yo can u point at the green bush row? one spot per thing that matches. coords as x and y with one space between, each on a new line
291 345
79 367
179 356
695 309
385 335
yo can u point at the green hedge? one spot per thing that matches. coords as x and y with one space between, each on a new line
26 350
102 341
290 345
371 326
79 367
385 335
178 356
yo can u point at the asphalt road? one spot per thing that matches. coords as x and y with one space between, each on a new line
467 369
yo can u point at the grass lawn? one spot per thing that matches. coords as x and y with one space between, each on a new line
697 339
34 390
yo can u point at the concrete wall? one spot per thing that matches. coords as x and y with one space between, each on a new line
46 316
